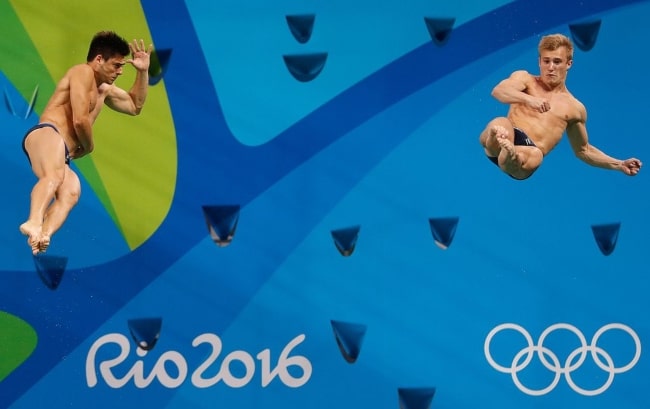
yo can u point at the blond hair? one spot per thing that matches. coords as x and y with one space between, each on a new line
554 41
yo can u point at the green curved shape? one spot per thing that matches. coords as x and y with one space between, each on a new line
17 342
133 168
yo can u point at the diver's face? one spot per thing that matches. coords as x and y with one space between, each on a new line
554 65
111 68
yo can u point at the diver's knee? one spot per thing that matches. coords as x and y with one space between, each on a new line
69 196
500 121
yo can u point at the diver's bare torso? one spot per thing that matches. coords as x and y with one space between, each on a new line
546 128
59 111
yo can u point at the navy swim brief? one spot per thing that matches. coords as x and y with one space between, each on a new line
39 126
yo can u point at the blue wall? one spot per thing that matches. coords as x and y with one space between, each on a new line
383 139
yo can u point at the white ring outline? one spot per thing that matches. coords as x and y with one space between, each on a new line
583 348
499 328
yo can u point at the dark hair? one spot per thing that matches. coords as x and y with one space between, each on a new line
107 44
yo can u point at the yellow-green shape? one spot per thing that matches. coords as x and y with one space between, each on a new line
17 342
133 168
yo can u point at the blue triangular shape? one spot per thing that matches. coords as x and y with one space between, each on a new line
585 34
415 398
8 104
158 65
439 28
345 240
50 269
349 337
443 230
145 332
301 26
606 236
305 67
222 222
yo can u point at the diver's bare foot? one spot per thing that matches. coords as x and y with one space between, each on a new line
43 243
33 232
508 156
495 134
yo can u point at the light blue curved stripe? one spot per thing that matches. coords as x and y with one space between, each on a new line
243 44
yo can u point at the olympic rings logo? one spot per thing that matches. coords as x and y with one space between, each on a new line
573 361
